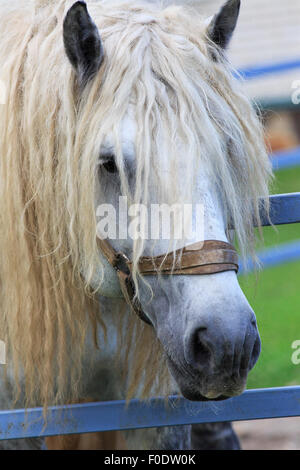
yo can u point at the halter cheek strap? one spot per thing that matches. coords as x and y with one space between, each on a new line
208 257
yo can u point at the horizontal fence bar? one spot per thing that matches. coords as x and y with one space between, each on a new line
275 256
115 415
286 159
284 209
257 71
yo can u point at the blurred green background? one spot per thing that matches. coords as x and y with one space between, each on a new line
274 294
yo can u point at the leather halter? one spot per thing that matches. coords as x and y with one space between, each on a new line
208 257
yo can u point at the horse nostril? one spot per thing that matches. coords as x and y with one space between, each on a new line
201 353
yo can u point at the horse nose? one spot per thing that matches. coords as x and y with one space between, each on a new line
211 349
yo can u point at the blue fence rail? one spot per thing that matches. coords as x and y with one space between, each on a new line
285 209
263 70
275 256
286 159
116 415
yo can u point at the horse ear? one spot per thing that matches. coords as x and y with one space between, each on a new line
82 42
223 23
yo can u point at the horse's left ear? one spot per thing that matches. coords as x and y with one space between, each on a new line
82 42
223 24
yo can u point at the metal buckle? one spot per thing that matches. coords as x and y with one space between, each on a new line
121 263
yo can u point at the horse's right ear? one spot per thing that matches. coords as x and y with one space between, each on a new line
82 42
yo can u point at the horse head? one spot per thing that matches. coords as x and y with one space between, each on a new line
205 324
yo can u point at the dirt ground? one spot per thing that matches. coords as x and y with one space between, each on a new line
269 434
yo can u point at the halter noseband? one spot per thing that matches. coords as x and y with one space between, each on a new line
208 257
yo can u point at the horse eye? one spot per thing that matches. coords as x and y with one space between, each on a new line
110 165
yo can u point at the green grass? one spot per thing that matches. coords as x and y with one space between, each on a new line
275 298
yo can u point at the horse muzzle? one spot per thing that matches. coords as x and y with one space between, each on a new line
216 359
